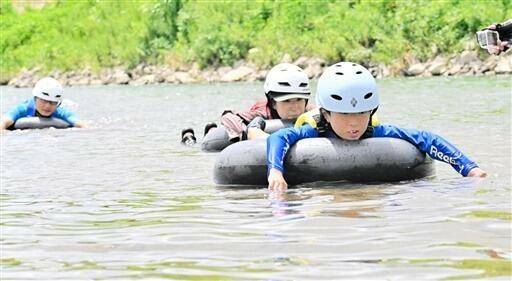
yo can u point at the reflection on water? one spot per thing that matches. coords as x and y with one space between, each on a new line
346 200
123 200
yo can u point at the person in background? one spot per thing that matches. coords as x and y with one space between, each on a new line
348 96
287 91
46 101
502 43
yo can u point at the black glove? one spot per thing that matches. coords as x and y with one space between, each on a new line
505 30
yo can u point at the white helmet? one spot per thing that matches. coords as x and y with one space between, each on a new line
287 81
347 87
48 89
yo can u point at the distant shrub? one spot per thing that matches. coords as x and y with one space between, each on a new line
71 35
76 34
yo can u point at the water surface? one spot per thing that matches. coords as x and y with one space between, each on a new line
124 200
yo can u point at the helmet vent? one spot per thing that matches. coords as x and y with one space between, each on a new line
353 64
367 96
338 65
284 84
303 85
57 96
336 97
46 94
359 72
339 73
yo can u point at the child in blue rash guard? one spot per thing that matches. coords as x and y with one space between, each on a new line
46 103
347 96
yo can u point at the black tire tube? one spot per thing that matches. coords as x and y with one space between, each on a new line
40 123
325 159
217 139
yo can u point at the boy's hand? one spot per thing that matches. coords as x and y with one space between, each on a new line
255 133
80 124
276 180
256 129
6 123
477 173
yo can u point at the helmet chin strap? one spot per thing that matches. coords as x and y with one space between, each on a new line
374 110
371 116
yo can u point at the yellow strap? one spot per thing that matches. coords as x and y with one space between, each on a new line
375 120
309 117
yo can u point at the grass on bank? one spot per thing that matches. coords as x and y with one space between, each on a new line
69 35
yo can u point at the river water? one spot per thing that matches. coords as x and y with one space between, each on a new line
124 200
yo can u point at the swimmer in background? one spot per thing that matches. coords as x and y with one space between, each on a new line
46 101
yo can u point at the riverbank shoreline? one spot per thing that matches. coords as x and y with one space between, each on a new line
467 63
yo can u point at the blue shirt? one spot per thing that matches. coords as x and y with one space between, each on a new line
28 109
435 146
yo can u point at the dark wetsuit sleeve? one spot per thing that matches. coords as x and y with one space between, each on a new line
279 142
435 146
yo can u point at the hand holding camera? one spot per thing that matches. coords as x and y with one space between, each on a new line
496 38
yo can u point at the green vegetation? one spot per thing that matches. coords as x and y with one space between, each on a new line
488 268
82 265
71 35
490 214
68 35
10 262
462 245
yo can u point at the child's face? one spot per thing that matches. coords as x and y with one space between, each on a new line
348 126
45 108
290 109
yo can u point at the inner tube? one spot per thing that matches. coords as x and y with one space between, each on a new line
325 159
40 123
217 139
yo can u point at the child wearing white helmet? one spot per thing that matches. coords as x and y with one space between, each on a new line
47 97
348 96
287 93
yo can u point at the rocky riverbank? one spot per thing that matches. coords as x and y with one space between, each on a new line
465 63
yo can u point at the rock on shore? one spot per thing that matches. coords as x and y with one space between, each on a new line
465 63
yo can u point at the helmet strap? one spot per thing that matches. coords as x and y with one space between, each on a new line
373 111
371 117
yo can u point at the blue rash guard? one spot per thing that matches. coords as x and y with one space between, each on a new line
28 109
435 146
